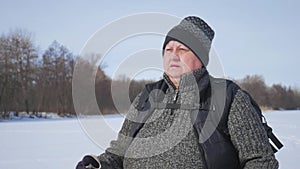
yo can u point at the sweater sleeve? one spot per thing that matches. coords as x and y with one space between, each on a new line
113 156
248 135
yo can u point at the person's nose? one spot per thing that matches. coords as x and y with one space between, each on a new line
175 55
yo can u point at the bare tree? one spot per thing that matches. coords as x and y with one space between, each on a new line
56 79
256 86
18 55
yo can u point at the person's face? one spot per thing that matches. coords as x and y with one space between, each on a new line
179 59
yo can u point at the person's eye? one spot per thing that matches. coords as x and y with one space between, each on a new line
183 49
168 49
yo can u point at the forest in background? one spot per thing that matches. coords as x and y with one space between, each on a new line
36 81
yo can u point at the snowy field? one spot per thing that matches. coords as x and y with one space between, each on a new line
60 144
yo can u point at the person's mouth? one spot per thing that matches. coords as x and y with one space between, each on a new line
174 66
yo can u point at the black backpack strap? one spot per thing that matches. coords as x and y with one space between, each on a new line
268 129
272 137
144 102
231 89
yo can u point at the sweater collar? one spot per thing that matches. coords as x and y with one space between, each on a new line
190 81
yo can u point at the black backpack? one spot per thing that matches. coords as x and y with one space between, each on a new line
232 88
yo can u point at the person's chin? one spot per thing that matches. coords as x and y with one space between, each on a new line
174 74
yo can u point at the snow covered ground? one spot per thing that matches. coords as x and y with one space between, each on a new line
60 144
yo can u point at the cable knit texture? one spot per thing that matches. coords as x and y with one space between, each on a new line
167 140
248 136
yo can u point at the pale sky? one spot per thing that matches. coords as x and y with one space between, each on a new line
252 37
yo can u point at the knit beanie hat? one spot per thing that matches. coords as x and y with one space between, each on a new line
195 34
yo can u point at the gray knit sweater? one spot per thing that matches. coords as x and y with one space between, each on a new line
167 140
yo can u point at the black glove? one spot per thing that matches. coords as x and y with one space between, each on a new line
89 161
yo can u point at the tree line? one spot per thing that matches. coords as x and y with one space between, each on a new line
275 97
36 81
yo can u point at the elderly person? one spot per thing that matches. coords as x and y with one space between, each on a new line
166 124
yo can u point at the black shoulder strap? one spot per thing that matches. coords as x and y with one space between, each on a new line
268 129
144 103
230 90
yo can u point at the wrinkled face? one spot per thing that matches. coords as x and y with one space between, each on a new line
179 59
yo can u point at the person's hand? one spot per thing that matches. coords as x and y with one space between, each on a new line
89 162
